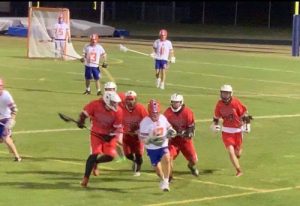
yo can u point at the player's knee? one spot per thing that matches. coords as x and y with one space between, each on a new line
130 157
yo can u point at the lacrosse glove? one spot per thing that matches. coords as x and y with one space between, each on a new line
104 65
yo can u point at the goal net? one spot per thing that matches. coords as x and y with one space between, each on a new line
41 28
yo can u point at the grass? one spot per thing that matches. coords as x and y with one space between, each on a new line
54 161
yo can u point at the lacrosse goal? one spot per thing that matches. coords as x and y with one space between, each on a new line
41 23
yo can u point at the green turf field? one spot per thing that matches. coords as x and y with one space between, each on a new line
265 78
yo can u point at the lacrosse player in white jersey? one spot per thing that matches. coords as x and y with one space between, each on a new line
8 111
61 36
154 133
92 54
162 51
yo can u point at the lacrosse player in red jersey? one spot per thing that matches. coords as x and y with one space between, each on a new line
182 120
162 51
92 54
155 131
8 112
235 121
111 86
106 120
133 113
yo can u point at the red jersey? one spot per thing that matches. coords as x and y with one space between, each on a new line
230 113
103 121
122 97
180 120
132 119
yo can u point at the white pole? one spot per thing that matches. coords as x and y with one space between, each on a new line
269 17
29 4
101 12
236 13
203 12
173 11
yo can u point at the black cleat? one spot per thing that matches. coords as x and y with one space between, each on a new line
87 92
194 171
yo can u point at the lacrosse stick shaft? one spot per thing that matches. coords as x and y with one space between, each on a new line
138 52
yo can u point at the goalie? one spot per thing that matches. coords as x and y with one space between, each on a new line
182 120
235 121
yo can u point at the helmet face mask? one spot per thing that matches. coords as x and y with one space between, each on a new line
94 38
110 86
111 100
226 93
130 100
176 102
163 34
154 110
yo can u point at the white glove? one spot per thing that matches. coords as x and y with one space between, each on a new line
173 59
10 124
171 133
246 128
153 55
215 127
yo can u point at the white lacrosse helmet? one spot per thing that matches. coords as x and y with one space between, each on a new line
109 86
226 88
111 100
176 98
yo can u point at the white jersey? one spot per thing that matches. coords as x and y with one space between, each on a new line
6 102
93 54
61 31
162 49
149 129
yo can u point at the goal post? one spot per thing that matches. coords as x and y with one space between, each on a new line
41 28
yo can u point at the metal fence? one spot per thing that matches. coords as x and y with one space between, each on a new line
238 13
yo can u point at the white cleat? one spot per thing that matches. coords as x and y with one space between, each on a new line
162 85
157 83
137 174
164 186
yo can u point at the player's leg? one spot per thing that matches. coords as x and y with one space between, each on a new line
173 154
157 68
165 165
88 77
163 73
12 148
97 75
189 152
234 160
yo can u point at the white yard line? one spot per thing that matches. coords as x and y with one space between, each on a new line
221 197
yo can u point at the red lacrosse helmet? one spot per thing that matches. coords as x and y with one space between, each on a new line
154 109
130 99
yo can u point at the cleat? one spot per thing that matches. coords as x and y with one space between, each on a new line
18 159
87 92
162 85
137 174
99 93
164 186
84 182
238 173
194 171
157 83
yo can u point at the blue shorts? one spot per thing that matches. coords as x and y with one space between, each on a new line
3 131
161 64
155 155
92 73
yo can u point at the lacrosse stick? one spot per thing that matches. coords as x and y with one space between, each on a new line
101 136
125 49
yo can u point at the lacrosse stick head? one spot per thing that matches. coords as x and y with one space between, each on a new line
123 48
64 117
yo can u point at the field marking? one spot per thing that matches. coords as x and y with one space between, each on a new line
222 196
240 78
240 66
197 120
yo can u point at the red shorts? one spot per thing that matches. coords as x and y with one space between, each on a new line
99 146
234 139
184 145
132 144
